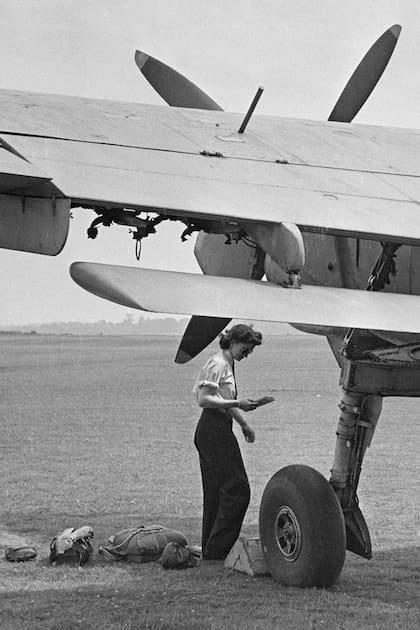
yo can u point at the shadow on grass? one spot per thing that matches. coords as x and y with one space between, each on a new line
382 593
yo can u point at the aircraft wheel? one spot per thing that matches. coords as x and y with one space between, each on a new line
302 530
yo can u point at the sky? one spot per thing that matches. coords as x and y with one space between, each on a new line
302 52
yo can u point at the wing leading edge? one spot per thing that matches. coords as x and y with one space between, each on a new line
193 294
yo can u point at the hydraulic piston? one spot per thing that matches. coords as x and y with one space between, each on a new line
356 425
369 373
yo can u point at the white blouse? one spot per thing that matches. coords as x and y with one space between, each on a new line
217 374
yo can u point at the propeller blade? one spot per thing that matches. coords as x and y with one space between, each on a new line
365 77
200 332
172 86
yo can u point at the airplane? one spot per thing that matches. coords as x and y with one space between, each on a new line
311 223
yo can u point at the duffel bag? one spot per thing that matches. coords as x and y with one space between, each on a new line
142 544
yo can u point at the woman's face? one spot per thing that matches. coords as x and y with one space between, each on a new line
241 350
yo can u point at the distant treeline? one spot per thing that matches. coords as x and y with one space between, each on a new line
166 326
129 326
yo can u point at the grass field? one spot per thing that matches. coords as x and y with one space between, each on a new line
99 431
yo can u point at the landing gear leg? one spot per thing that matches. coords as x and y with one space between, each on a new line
359 415
372 368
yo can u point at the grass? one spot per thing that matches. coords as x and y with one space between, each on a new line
99 431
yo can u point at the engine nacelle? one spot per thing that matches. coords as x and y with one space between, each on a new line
237 260
283 242
274 272
33 223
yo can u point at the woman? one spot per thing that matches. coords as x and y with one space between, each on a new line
226 491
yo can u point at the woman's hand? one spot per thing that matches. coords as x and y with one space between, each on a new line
248 433
247 405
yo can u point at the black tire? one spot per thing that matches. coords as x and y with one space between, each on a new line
302 530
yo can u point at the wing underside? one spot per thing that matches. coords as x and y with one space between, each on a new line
193 294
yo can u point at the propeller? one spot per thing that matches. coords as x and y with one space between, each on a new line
178 91
365 77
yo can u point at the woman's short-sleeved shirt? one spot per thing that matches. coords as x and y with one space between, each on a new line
218 375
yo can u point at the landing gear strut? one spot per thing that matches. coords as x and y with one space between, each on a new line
372 369
359 415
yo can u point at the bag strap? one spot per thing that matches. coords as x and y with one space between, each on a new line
117 548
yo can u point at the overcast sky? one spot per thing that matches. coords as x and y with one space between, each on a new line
302 52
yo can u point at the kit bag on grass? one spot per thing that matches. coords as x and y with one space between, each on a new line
72 547
20 554
141 544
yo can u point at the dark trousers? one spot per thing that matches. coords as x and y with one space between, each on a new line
226 490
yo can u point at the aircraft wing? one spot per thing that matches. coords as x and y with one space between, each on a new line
16 172
215 296
324 177
34 216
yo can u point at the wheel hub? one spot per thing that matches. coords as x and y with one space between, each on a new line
287 533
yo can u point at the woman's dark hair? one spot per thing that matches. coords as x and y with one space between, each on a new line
241 333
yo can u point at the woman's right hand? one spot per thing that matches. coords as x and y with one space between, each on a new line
247 405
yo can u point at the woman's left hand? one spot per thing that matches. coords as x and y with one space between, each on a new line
248 433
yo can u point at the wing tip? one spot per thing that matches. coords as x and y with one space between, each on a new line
75 269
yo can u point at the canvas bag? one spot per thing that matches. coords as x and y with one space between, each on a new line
72 546
142 544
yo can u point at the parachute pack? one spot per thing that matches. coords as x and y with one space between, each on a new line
142 544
